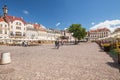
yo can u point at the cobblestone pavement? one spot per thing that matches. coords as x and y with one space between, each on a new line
70 62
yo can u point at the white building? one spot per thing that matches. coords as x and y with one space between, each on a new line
98 33
4 30
13 28
17 27
52 34
116 33
42 33
65 34
31 32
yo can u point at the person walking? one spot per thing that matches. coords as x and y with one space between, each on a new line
55 44
58 44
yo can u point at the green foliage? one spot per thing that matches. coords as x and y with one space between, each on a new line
78 31
114 52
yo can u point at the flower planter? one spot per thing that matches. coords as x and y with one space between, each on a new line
106 47
117 51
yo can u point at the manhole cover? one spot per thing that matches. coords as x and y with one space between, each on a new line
7 71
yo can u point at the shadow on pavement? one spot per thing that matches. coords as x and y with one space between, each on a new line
101 50
53 48
114 65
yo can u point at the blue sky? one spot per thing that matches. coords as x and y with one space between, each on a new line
60 14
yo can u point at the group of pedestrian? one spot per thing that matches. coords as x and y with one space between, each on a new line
24 43
57 44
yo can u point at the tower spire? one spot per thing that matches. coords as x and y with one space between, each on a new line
5 10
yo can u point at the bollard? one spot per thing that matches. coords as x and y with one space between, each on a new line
5 58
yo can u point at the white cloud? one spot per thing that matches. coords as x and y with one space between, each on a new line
43 26
93 23
110 24
25 12
65 28
58 24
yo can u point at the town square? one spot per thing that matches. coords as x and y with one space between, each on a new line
59 40
85 61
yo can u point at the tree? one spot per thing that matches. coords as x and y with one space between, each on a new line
77 31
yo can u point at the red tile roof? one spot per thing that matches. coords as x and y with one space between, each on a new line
117 30
1 19
38 27
103 29
13 18
99 30
93 30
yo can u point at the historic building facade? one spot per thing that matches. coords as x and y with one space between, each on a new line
17 27
31 32
4 29
14 28
98 33
116 33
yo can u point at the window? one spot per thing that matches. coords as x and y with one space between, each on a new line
0 31
18 27
0 25
11 27
5 31
11 33
18 34
20 24
23 34
16 23
5 25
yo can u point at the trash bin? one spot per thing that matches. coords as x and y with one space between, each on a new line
5 58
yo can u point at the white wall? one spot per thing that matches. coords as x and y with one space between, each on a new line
4 28
20 24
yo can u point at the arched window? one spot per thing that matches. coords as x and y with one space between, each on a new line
0 31
23 34
1 25
5 26
11 34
